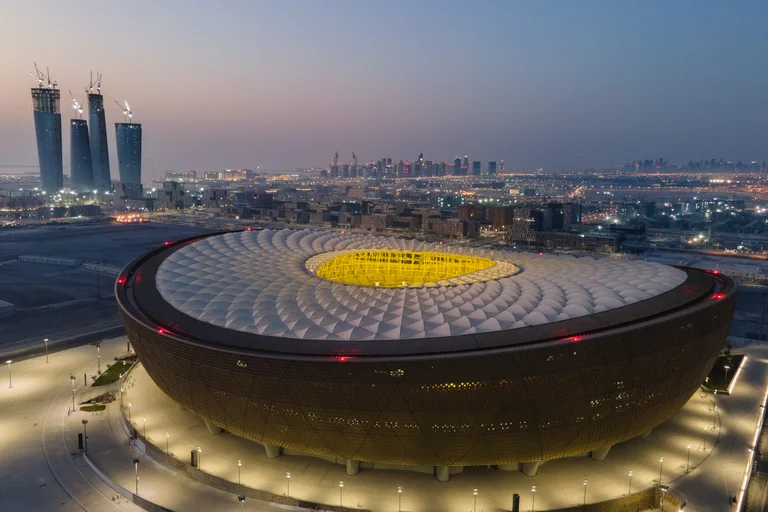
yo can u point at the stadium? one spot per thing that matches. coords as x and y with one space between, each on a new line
402 352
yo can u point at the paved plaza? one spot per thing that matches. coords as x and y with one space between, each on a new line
44 469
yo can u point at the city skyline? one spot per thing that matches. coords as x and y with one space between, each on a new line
282 86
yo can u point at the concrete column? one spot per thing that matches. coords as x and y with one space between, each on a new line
353 467
509 467
273 451
646 434
442 474
214 430
601 453
531 468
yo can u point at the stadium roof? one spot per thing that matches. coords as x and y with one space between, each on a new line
263 282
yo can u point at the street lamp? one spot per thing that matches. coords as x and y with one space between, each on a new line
714 418
121 395
136 468
630 484
688 461
10 383
46 350
399 499
199 459
98 358
726 368
585 491
661 465
341 493
533 498
167 440
474 494
72 378
664 489
288 484
85 436
129 413
145 426
239 485
705 438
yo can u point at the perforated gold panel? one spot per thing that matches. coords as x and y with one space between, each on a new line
517 404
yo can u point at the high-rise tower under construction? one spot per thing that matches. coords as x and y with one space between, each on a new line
98 134
46 107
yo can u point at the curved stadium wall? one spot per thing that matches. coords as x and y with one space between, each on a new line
532 393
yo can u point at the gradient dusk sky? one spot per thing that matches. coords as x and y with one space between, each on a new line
554 84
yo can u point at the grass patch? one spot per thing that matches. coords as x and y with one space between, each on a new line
93 408
112 374
716 380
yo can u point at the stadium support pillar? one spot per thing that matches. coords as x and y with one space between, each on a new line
214 430
353 467
601 453
442 474
646 434
531 468
273 451
509 467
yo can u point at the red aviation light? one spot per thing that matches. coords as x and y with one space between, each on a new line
161 330
121 280
343 358
717 296
572 338
167 243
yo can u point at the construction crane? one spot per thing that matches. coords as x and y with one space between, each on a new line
41 78
127 112
93 84
76 106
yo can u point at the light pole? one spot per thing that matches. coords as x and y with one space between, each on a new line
399 499
585 491
239 484
199 459
129 413
121 395
661 466
72 378
705 438
726 368
85 436
688 460
136 468
630 484
714 418
341 493
533 498
664 489
46 350
10 383
474 495
98 358
288 484
167 441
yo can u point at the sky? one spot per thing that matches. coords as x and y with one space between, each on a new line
553 84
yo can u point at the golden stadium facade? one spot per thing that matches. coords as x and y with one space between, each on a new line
373 348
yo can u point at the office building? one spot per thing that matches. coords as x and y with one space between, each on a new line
80 156
128 137
47 113
476 168
102 179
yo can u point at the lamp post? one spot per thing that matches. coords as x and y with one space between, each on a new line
167 441
688 460
10 383
585 491
199 459
239 484
122 389
705 438
474 495
661 466
136 468
630 484
72 378
399 499
46 350
714 418
664 489
341 493
533 498
288 484
726 368
85 436
145 426
129 413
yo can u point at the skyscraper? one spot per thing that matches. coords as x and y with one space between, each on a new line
491 167
457 166
46 107
81 165
102 179
476 168
128 137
